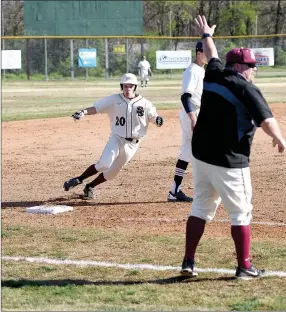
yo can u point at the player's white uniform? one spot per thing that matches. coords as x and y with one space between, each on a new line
128 119
144 66
192 83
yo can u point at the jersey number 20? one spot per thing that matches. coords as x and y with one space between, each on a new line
120 121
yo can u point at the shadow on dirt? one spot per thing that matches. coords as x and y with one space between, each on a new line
74 201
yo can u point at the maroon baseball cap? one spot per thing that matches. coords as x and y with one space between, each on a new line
240 56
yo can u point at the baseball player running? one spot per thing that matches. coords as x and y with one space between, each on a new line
192 88
143 68
129 115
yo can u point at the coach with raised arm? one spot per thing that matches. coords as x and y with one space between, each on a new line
232 108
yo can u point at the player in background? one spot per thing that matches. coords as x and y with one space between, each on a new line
130 115
192 88
144 68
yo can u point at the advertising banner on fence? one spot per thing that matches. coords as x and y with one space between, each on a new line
173 59
264 56
11 59
119 49
86 57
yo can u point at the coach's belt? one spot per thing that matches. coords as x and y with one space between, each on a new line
132 140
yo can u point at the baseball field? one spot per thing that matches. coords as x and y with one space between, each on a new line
123 250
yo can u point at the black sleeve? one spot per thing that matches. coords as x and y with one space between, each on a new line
186 101
256 104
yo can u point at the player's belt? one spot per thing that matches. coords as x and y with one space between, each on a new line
132 140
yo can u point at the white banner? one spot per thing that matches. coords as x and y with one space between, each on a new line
11 59
173 59
264 56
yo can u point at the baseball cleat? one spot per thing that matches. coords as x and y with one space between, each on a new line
179 197
188 268
248 274
88 192
71 183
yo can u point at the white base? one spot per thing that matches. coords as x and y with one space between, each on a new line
45 209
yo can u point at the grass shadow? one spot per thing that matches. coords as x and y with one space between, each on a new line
66 282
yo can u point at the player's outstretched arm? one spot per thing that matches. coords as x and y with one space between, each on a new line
206 32
87 111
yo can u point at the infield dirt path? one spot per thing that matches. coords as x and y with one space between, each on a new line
39 155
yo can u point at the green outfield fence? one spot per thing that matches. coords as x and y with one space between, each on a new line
49 57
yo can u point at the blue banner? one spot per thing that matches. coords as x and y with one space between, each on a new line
86 57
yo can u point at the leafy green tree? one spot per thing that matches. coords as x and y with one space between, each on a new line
238 17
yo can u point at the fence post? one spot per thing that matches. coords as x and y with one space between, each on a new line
46 60
27 59
86 69
127 48
72 63
106 58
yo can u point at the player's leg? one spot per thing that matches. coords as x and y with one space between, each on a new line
234 187
73 182
176 194
142 79
206 201
109 153
146 79
124 152
127 151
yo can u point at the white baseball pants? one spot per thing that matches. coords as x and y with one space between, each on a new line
116 154
213 184
185 153
144 75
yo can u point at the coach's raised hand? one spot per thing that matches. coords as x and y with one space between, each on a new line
203 27
206 32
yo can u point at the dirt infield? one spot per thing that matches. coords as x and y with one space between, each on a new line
39 155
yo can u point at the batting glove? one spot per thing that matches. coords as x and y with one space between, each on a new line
159 121
78 115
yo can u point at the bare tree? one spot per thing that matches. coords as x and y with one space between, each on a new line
12 18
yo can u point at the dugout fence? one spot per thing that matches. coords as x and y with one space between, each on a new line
52 58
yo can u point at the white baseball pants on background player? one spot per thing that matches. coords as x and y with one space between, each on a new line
187 133
144 75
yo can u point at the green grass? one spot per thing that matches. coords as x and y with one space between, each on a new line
42 286
145 293
39 99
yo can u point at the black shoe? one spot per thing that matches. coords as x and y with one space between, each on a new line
73 182
188 268
179 197
88 192
248 274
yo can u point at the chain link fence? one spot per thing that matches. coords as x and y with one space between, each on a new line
57 58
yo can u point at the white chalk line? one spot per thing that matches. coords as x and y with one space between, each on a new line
185 219
127 266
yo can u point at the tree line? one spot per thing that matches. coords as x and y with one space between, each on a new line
160 18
